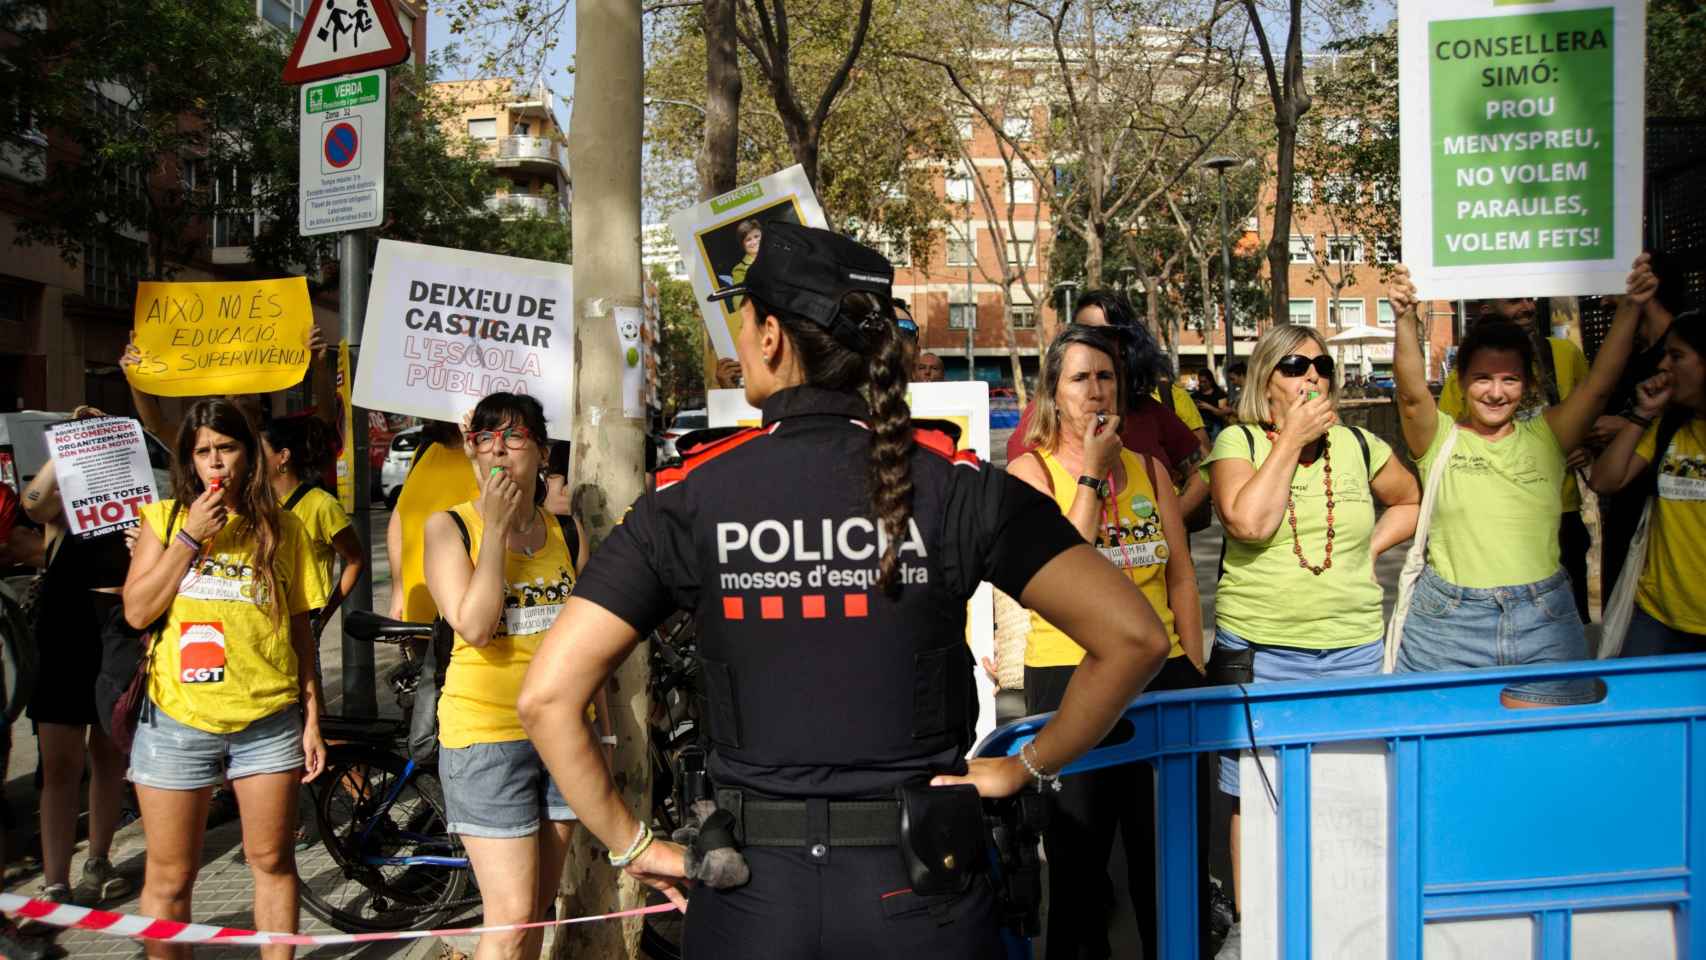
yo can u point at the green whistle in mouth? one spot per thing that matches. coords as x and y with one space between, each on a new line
497 470
1312 395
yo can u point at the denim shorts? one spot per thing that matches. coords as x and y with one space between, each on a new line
1294 663
1459 628
169 755
498 790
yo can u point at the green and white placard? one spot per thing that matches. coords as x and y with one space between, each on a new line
1521 145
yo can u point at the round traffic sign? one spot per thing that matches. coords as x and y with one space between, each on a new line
341 145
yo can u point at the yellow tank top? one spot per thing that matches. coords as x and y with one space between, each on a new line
1135 543
441 478
482 684
221 662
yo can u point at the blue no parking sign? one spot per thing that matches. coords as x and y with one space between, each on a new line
343 145
342 153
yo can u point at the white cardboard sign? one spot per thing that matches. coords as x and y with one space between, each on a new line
1521 151
709 235
104 476
447 327
965 403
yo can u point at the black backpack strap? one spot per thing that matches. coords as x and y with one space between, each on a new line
295 497
461 528
571 537
1367 458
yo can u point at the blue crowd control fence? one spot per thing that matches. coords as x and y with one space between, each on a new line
1546 814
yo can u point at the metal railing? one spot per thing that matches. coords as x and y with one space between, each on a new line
517 205
532 148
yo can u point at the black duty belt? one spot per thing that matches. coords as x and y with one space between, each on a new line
764 822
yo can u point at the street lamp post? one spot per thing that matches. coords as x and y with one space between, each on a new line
1067 286
1218 165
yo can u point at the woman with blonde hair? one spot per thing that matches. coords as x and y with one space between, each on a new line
1296 492
1123 504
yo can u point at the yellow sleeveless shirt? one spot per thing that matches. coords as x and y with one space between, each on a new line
482 684
1135 543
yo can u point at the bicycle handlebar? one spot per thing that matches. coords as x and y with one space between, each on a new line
373 628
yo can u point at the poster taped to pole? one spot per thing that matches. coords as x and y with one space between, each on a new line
1521 151
447 327
209 339
719 238
104 476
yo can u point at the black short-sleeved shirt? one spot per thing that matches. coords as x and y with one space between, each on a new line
820 683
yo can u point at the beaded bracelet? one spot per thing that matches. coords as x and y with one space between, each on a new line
1035 770
642 841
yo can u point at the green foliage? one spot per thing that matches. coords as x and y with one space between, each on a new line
681 350
1676 48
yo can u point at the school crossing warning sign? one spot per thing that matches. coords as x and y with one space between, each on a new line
346 36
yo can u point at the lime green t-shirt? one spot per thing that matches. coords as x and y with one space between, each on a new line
1264 596
1571 367
1495 521
1676 545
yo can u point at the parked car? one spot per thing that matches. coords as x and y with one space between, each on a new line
399 456
685 422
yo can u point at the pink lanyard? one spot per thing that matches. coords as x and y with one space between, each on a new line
1110 512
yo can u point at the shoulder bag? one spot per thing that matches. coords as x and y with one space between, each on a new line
127 659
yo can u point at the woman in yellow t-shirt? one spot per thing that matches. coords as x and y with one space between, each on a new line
296 452
1122 504
500 568
232 692
1670 606
1494 592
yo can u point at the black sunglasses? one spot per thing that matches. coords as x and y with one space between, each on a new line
1294 365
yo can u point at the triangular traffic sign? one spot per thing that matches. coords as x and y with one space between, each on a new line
346 36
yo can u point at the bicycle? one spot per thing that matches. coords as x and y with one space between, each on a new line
388 863
677 760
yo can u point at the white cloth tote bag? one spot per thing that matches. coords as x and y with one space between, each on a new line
1417 558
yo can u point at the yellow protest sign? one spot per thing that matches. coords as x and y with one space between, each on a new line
210 339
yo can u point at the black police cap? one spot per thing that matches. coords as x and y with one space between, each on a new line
805 272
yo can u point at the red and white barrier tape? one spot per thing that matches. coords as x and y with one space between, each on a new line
135 927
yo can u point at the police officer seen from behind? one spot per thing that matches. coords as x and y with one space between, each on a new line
827 557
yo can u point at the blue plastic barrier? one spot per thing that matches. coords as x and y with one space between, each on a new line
1487 804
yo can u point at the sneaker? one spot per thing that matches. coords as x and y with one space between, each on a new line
103 882
1232 948
55 893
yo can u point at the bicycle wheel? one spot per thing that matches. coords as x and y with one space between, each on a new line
340 880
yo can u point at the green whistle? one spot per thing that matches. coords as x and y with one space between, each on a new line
1312 395
497 470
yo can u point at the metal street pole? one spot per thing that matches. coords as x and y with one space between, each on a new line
360 687
1219 165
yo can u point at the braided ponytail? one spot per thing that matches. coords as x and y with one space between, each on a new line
831 365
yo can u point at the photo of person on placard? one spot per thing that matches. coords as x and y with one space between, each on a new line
730 248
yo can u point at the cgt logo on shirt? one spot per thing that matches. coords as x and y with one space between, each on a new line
201 652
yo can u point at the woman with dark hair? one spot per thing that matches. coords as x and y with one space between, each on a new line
827 557
499 568
1120 503
1148 425
232 692
1494 592
1668 427
298 450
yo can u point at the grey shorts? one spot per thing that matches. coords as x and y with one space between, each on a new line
498 790
169 755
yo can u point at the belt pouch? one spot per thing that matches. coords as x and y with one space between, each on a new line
1232 666
942 837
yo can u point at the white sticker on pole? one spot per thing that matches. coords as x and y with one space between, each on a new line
104 476
341 152
1521 150
630 322
447 327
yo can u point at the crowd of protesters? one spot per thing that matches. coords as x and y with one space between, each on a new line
248 557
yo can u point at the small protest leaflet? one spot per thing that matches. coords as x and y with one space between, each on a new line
104 477
719 239
1521 147
209 339
447 327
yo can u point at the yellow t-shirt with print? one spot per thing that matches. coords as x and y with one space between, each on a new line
1670 588
1183 405
440 478
1572 370
1264 596
482 684
1495 521
323 518
222 662
1135 544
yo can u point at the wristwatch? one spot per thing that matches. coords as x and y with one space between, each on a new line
1098 484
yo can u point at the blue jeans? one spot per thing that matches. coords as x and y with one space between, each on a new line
1648 636
1294 663
1463 628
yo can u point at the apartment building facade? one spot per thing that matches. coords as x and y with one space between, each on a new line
516 125
64 324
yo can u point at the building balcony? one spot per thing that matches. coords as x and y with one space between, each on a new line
516 151
513 205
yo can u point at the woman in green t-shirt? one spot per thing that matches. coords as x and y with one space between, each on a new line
1295 491
1493 593
1670 409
